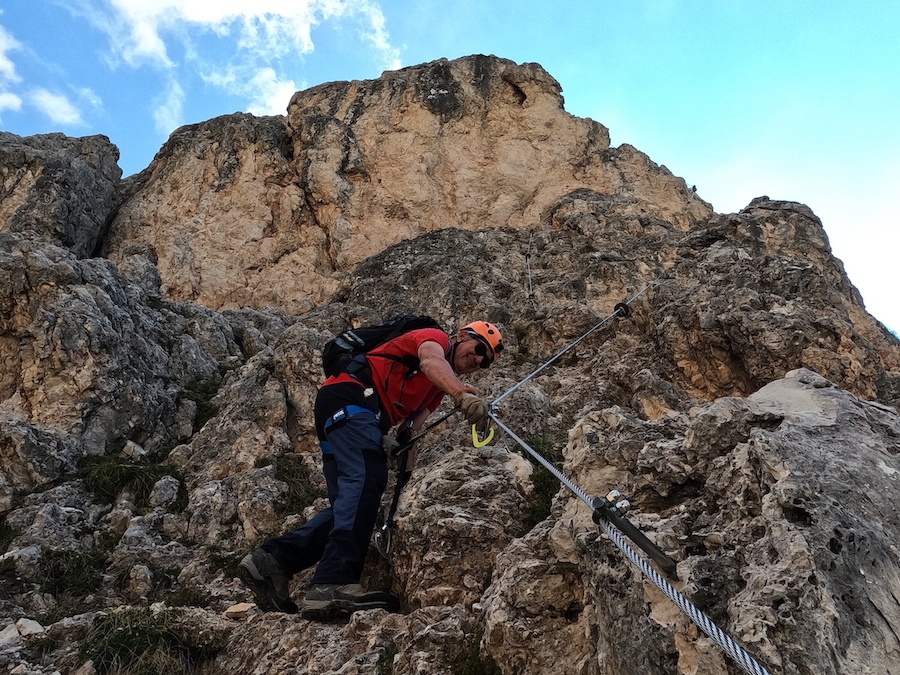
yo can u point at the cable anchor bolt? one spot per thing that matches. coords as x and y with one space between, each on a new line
621 507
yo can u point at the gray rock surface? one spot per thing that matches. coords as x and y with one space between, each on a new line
65 189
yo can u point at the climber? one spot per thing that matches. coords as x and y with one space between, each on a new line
353 416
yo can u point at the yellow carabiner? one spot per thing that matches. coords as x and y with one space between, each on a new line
478 443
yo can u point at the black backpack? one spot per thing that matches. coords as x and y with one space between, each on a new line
339 355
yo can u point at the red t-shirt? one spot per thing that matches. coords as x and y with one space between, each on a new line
403 392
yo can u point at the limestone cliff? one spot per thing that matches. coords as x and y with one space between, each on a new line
246 211
159 343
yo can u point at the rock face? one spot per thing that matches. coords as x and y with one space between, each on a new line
156 401
88 364
65 189
246 211
228 218
765 500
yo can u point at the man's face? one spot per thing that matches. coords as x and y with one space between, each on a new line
471 354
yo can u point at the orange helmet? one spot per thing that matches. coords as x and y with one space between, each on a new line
487 333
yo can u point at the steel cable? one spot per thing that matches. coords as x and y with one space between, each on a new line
581 494
571 346
707 625
531 296
720 637
728 644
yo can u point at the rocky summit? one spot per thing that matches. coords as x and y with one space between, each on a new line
160 342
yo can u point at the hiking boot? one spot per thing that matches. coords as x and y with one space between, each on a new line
264 577
327 602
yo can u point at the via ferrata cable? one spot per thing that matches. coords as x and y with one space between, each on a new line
621 310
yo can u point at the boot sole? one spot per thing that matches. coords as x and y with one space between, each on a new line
325 611
333 610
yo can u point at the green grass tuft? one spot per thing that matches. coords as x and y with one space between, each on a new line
302 491
202 391
471 662
546 485
71 571
41 645
105 477
143 642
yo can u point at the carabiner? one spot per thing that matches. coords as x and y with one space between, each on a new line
477 442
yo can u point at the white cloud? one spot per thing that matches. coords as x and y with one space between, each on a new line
269 93
7 68
143 42
90 97
169 112
378 36
57 107
133 30
267 29
8 75
250 41
9 101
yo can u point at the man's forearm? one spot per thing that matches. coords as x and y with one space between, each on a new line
437 369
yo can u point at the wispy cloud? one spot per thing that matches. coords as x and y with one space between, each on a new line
15 95
56 106
264 29
7 68
255 38
89 97
270 94
267 92
375 32
9 100
168 113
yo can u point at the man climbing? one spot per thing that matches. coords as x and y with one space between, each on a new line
399 383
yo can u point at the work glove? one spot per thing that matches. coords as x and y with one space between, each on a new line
399 441
474 408
390 444
399 447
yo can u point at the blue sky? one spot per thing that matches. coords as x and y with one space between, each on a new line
795 99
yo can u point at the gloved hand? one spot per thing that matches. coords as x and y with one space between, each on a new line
390 444
473 407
